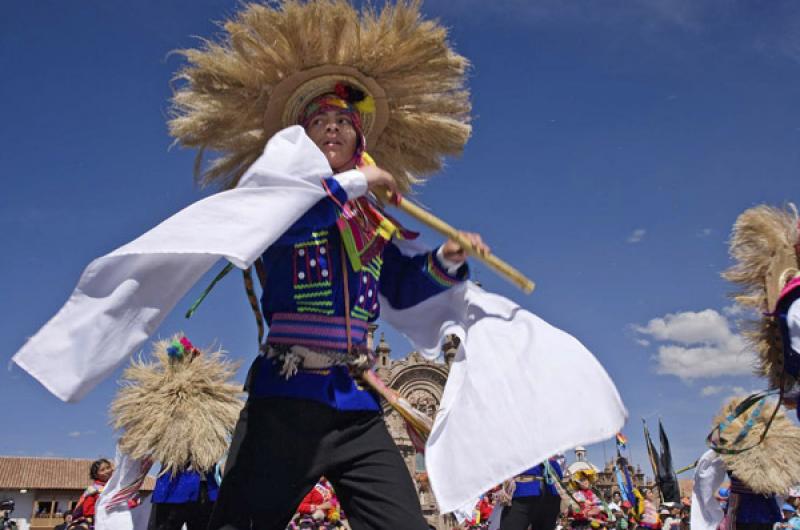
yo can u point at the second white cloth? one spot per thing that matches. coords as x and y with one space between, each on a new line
508 403
708 477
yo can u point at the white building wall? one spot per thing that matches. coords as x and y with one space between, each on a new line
23 506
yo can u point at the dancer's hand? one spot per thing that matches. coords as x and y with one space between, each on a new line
453 251
379 179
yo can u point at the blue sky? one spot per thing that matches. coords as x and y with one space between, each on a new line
614 144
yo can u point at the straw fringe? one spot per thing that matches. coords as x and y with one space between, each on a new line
759 234
772 466
224 89
178 411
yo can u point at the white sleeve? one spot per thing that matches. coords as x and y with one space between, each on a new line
353 182
450 266
793 321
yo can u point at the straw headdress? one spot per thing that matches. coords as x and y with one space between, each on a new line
763 247
177 410
771 466
271 60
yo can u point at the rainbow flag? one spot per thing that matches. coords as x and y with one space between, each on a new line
621 440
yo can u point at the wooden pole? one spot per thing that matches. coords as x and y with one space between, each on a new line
430 220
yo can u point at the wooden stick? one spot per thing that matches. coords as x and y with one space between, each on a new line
500 266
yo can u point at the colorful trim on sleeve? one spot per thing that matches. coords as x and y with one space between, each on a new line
440 275
335 191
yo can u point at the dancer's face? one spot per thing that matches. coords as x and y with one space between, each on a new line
333 132
104 472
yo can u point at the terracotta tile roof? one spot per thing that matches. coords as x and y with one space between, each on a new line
48 473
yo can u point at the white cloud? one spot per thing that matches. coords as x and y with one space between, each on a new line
711 390
643 342
698 344
78 434
637 235
734 310
705 232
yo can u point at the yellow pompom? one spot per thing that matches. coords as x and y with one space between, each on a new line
366 105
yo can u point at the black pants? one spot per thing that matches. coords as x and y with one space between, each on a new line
539 511
173 516
280 449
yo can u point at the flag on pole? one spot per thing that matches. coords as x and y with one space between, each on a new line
668 482
622 441
652 455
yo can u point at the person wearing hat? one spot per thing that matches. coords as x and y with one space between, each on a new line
753 441
650 518
669 522
293 100
589 510
535 500
790 517
306 414
178 407
323 67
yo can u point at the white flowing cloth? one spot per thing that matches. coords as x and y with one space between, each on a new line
113 512
708 477
504 408
122 297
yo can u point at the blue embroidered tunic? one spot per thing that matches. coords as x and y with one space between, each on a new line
183 487
535 481
303 302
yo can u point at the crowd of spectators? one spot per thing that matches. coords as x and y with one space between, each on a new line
320 510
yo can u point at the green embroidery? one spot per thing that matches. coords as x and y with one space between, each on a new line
315 294
323 303
312 243
315 310
360 314
317 285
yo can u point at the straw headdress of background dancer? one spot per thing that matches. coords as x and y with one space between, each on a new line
179 409
752 439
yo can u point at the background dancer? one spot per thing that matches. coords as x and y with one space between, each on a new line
83 516
179 409
535 500
753 441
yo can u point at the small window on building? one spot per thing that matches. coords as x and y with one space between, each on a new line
44 508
